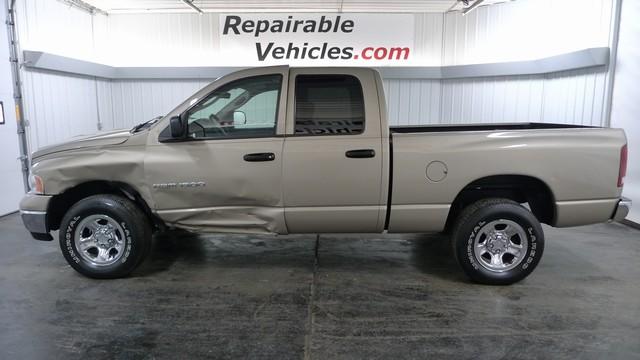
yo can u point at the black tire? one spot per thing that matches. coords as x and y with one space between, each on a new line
469 228
133 230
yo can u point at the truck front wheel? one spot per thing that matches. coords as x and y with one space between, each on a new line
105 236
497 241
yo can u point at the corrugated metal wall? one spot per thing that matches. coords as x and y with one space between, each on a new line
523 30
134 101
413 102
186 39
54 27
573 97
59 105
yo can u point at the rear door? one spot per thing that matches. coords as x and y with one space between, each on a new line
333 161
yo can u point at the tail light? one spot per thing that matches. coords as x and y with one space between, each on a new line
623 165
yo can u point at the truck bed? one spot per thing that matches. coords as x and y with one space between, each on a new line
430 165
482 127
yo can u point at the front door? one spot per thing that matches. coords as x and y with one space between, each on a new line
226 175
332 153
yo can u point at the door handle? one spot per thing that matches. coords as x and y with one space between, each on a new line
360 154
259 157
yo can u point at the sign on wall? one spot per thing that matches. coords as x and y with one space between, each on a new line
317 39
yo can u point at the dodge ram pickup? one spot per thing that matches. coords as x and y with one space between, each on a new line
308 150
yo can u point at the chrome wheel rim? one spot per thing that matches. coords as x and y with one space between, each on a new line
500 245
100 240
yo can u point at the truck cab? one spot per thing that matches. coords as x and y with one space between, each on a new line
331 172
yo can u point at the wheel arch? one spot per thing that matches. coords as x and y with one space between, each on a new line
519 188
61 203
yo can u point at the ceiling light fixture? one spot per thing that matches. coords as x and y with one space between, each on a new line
471 7
190 3
84 6
455 3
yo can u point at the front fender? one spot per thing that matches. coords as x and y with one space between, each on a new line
65 170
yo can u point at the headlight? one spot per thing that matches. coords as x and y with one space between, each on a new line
36 184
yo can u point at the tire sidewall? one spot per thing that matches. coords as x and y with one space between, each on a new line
468 232
104 206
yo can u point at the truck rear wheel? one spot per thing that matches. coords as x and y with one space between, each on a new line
497 241
105 236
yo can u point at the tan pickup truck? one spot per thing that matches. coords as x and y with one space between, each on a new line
308 150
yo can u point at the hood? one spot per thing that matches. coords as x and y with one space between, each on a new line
100 139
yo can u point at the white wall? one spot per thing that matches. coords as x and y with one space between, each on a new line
134 101
11 186
572 97
518 30
625 112
55 27
58 106
523 29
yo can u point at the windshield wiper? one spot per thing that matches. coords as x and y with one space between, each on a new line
145 124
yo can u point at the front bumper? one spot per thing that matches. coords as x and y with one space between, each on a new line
33 209
35 221
624 205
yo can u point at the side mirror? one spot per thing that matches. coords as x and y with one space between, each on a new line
177 129
239 118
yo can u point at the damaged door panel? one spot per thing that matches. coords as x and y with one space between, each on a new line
211 187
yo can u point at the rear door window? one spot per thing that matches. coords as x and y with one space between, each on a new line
329 105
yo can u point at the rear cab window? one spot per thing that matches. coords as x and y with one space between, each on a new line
328 105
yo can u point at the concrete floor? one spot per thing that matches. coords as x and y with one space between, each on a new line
342 297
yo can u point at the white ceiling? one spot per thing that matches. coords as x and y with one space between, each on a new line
386 6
